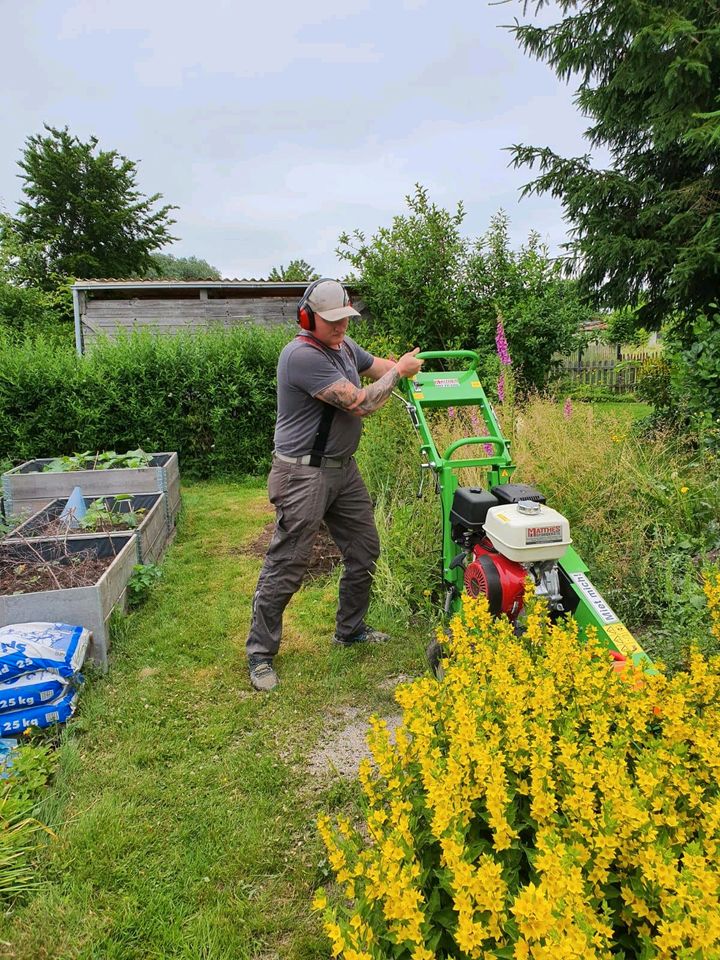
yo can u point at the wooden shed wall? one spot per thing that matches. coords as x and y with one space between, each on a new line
106 317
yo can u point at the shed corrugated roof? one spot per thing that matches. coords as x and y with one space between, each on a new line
224 282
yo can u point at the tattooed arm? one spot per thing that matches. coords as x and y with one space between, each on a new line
362 401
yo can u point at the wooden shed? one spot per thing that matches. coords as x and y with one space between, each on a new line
107 307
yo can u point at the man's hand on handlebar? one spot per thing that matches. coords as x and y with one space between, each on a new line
408 365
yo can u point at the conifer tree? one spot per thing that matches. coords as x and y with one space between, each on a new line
645 229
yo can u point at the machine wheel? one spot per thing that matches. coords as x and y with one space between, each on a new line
435 653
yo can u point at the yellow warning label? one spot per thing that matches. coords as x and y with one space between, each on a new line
501 516
622 638
475 383
504 474
419 396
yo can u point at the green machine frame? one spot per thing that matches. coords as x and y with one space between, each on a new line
462 388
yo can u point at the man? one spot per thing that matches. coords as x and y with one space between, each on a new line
314 477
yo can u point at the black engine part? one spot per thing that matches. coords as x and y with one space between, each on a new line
515 492
469 510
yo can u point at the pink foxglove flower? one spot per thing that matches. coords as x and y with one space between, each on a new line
501 388
489 449
568 408
502 344
451 412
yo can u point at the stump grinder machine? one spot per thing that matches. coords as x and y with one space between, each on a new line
497 535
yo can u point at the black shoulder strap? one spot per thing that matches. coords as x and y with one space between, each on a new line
326 418
321 437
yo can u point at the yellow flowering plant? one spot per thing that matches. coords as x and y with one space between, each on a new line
537 804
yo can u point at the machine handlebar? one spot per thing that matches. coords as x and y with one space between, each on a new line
467 441
449 355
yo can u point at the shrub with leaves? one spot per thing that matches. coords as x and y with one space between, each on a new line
536 804
209 396
143 579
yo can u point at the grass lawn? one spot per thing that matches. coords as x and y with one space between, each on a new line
624 411
185 804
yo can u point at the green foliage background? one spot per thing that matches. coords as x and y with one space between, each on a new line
426 284
297 271
166 266
210 396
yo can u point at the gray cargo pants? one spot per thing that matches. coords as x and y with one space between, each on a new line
303 497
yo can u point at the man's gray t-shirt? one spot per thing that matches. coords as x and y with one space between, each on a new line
304 370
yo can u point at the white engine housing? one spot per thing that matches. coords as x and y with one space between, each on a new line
527 532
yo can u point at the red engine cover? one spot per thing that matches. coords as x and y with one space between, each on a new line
501 580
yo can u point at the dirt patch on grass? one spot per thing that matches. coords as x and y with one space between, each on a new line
344 745
389 683
325 555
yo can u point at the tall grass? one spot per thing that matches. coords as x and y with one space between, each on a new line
644 511
409 566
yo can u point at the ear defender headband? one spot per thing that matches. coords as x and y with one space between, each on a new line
305 314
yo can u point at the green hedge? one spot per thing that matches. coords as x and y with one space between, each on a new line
210 396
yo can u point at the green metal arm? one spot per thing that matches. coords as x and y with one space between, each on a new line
450 355
473 440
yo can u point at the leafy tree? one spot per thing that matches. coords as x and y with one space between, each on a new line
698 375
23 310
297 271
622 327
542 312
645 230
410 274
82 215
27 311
425 283
165 266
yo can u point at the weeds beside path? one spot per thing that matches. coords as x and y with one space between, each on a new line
185 805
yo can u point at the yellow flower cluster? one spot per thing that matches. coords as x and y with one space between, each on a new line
536 803
712 592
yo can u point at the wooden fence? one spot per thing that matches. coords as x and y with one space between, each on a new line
614 376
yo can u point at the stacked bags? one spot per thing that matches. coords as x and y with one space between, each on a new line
39 674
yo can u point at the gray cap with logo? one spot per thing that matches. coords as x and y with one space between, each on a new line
329 299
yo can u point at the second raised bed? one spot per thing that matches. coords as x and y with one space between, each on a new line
27 489
88 605
151 533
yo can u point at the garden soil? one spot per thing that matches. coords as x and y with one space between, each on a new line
325 556
20 574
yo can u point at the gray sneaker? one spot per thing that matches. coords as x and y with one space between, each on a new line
262 676
366 635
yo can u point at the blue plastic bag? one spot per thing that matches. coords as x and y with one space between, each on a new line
8 746
29 647
32 690
17 721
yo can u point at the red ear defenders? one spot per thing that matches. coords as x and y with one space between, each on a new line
305 315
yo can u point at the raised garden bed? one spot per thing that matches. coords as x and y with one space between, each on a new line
26 489
151 531
72 581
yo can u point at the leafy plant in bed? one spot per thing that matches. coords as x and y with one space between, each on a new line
102 515
108 460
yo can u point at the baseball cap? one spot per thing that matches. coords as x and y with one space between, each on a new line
329 300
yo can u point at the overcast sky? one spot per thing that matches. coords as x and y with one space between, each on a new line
277 125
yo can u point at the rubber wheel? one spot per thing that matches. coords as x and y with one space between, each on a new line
435 654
